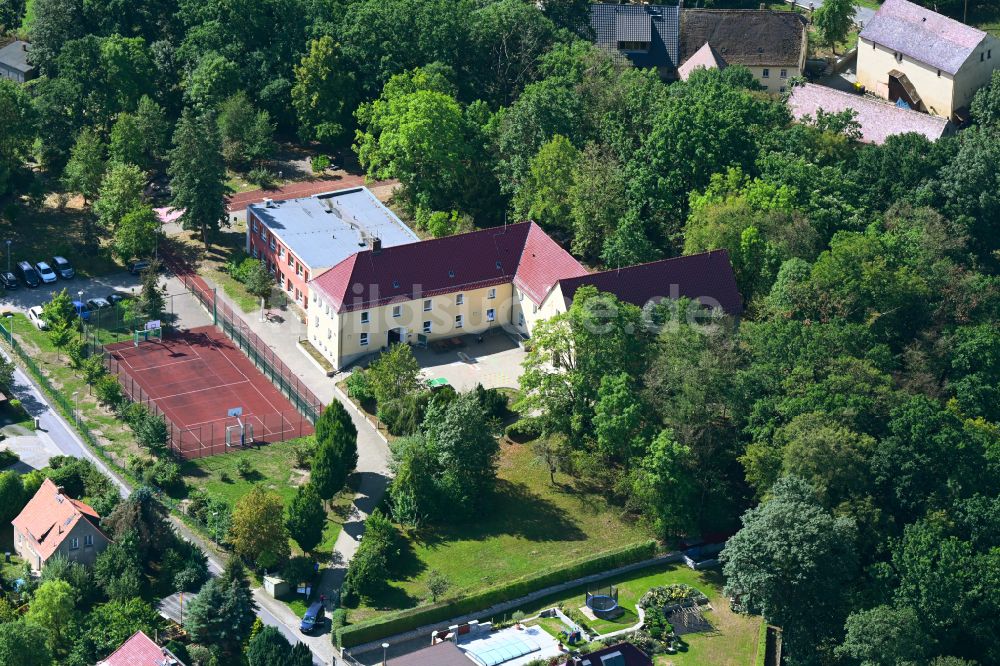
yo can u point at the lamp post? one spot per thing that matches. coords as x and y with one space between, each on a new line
10 328
385 646
8 255
76 407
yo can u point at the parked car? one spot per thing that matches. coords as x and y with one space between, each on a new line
45 272
81 310
137 267
35 317
9 281
97 303
28 274
314 618
62 267
117 297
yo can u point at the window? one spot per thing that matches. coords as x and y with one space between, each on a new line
88 540
281 251
364 317
633 46
766 74
253 225
784 73
534 308
989 53
491 315
459 299
298 296
291 259
458 321
939 73
520 319
427 327
288 287
899 56
316 321
781 89
363 340
253 251
263 233
492 293
427 305
397 311
520 296
305 276
329 333
74 543
298 270
273 244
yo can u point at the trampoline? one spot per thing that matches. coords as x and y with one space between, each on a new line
498 649
603 601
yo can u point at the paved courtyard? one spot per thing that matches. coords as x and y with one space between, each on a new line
495 362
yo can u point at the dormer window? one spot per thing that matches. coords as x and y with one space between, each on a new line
633 46
395 284
451 274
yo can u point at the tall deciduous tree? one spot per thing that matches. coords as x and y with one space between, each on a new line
54 22
791 562
53 608
833 20
12 497
86 165
544 197
394 374
246 132
120 193
258 531
137 233
324 92
198 174
23 643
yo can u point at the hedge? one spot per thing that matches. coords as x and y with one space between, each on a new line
410 619
761 645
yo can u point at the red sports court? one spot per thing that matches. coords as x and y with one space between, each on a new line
195 379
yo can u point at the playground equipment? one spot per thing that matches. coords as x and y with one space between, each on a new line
603 601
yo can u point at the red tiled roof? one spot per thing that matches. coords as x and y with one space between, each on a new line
707 277
519 253
543 263
140 650
49 517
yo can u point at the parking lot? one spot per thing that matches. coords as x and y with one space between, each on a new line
24 297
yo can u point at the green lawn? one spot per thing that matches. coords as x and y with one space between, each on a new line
275 469
733 643
233 289
530 525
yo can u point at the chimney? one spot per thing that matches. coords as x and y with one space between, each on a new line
268 203
376 245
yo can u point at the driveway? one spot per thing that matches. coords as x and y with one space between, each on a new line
495 362
34 448
862 15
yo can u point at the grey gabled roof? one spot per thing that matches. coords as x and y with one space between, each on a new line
750 37
15 56
923 35
657 24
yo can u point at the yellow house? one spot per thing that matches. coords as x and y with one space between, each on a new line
928 61
506 277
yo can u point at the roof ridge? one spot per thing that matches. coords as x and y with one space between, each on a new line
655 261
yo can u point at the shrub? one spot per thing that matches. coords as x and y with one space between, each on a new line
76 349
298 569
523 430
7 458
656 624
164 474
109 391
493 402
358 386
260 176
304 454
93 369
410 619
211 513
338 619
15 404
244 468
665 595
320 163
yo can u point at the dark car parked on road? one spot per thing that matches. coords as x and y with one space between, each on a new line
313 620
28 274
9 281
62 267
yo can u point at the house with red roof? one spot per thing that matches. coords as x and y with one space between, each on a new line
140 650
506 277
923 60
52 522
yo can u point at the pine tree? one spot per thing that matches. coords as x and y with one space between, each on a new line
223 612
268 648
198 174
336 450
306 517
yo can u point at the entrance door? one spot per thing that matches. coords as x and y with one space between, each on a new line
397 335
